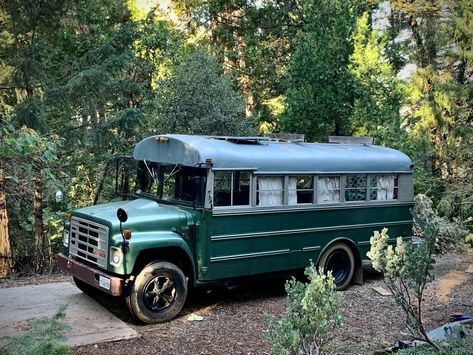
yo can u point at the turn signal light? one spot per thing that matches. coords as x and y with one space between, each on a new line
127 234
68 216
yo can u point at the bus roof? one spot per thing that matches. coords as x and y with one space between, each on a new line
266 156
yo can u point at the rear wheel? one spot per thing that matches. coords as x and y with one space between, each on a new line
339 259
158 293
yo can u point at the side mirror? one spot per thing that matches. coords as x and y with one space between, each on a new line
122 215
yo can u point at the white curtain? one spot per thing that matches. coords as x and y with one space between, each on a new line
385 185
292 196
328 189
270 191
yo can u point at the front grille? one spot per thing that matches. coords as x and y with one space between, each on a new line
89 241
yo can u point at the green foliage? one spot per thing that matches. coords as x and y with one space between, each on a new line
469 239
23 153
199 99
104 74
378 93
46 337
448 233
312 312
453 346
320 88
407 270
27 143
438 97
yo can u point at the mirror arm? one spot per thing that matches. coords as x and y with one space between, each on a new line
180 233
125 244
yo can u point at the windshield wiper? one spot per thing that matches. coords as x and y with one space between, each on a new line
155 178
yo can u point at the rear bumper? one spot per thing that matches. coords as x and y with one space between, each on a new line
90 275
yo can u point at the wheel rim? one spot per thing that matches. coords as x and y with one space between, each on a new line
159 293
338 262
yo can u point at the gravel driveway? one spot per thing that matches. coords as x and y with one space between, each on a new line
233 319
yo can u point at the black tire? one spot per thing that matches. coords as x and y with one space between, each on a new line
158 293
84 287
339 259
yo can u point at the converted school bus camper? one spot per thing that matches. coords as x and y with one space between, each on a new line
208 209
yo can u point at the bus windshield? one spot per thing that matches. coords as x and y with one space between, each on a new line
171 183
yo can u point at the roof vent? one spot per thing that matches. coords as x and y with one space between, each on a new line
285 137
240 140
350 140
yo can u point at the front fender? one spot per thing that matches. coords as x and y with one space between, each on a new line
143 241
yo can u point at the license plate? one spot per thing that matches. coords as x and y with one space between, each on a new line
104 282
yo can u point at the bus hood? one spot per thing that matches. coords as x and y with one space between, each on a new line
144 215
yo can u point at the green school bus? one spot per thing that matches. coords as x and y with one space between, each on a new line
215 209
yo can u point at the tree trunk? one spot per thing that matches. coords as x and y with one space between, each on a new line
102 181
5 251
38 219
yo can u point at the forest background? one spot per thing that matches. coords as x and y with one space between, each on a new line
82 81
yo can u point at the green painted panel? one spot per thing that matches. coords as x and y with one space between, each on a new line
255 243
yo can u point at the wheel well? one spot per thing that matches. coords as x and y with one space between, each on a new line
358 275
173 255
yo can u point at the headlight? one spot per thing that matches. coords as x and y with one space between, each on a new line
65 238
115 256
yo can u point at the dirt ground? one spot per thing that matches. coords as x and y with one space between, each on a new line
233 319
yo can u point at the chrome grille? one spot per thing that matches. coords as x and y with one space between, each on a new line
89 241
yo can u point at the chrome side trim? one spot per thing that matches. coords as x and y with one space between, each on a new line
232 211
216 238
248 255
311 248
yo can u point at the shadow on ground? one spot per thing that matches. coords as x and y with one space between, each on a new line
237 292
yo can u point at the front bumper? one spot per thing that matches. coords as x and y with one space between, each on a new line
90 275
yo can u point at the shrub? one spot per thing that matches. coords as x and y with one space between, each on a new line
454 346
312 311
469 239
46 337
449 233
407 270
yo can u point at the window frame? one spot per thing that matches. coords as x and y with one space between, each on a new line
341 189
395 187
313 189
232 183
285 176
285 179
366 188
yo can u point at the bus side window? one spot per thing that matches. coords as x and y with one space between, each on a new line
241 188
328 189
301 190
355 188
223 188
269 190
232 188
384 187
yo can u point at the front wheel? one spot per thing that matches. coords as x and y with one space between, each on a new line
339 259
158 293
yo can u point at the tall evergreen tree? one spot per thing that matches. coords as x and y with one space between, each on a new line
320 89
199 99
378 93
